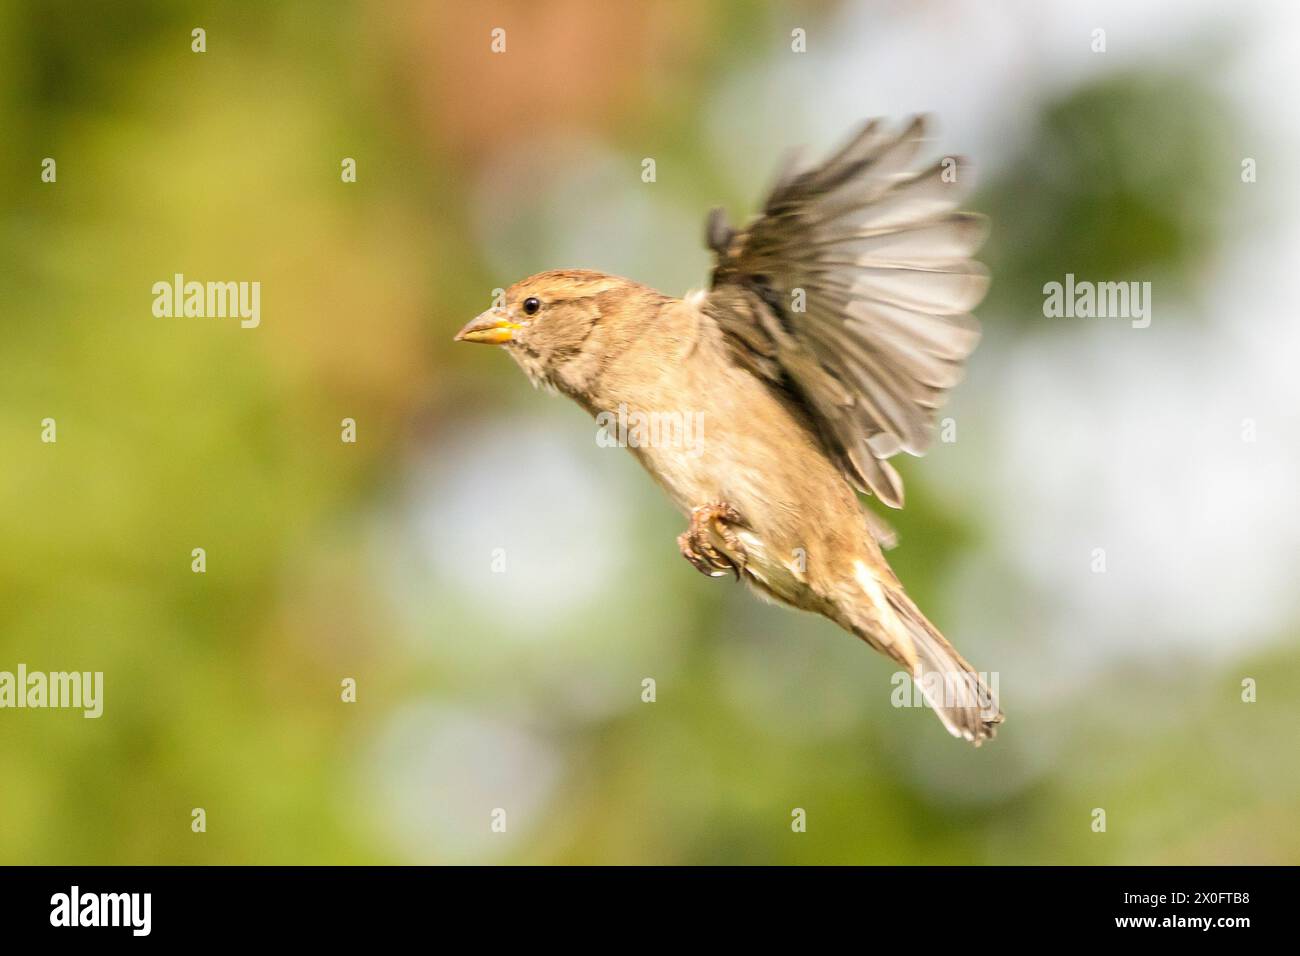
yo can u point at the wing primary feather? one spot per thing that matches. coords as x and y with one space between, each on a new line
884 264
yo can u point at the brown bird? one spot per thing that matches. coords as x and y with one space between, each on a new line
835 324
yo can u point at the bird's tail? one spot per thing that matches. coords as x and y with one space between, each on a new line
959 695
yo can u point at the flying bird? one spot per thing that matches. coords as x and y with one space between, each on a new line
835 324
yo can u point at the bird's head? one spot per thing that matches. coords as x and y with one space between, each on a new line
546 322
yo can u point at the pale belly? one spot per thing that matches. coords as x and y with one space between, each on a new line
732 439
766 474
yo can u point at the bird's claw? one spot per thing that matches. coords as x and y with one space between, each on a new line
697 543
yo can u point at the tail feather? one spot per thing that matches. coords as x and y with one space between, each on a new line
958 694
890 622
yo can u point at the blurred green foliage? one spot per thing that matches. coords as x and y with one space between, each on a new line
1126 177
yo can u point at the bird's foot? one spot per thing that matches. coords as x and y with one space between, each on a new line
699 543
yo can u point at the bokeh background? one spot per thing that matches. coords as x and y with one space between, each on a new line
521 690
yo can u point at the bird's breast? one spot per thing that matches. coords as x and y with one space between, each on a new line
709 430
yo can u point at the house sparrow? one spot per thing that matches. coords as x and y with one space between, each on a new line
835 323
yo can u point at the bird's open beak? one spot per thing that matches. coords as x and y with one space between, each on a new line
490 328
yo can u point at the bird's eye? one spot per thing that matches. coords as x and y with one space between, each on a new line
531 305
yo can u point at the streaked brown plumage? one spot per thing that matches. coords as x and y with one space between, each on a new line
835 324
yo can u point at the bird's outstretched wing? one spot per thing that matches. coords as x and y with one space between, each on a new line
853 291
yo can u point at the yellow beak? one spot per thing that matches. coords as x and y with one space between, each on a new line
490 328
